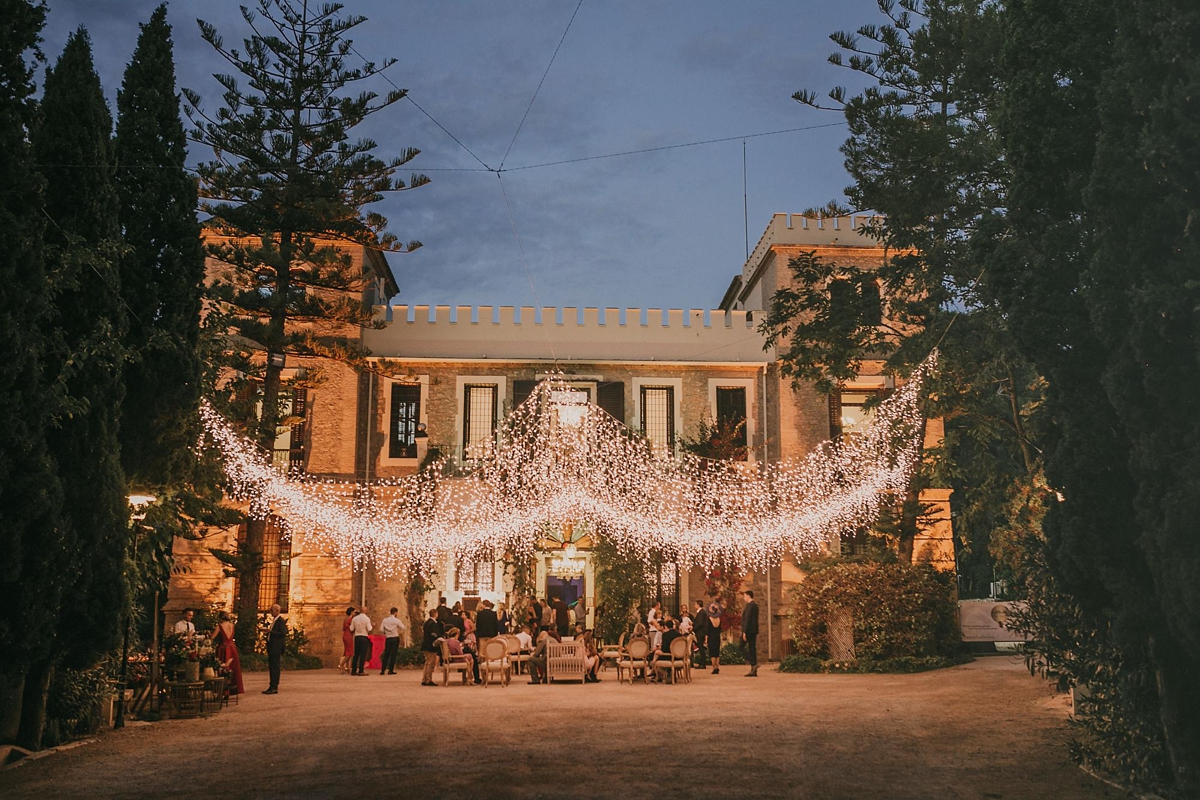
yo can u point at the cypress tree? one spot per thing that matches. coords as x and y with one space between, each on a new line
1095 262
73 147
162 266
29 490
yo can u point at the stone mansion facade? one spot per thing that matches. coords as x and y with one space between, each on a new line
456 371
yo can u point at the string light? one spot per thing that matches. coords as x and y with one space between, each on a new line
559 459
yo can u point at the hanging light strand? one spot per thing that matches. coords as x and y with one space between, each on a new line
557 460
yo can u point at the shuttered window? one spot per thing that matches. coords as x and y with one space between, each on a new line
610 396
731 410
521 391
405 414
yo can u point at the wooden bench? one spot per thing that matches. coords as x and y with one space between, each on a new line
564 661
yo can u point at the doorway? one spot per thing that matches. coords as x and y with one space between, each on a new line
569 589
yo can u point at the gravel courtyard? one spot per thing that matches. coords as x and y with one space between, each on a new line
982 730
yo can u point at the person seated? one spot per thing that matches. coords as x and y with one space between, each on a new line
591 658
639 632
664 650
537 661
457 654
525 638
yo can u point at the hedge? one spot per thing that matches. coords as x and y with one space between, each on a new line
900 611
811 664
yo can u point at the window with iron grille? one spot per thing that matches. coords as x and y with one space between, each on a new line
664 585
275 578
405 413
479 418
658 417
475 577
731 410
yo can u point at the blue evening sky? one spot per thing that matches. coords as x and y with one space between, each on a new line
662 229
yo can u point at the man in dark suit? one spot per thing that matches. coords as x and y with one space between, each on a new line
443 612
561 621
487 625
430 633
750 633
275 641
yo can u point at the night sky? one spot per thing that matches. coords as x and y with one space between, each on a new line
660 229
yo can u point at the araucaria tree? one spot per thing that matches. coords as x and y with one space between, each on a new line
923 154
286 186
73 148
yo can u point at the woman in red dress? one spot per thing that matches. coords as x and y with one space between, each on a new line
347 641
227 653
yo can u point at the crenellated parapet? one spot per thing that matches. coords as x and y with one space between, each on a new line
566 334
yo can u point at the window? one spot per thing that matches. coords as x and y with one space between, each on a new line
872 303
473 578
848 412
658 417
731 410
479 418
275 578
289 438
610 396
405 414
664 585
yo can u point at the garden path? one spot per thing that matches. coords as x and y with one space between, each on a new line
981 730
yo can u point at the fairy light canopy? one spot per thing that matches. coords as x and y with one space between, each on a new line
561 459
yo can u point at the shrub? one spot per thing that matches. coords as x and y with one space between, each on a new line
257 662
732 653
798 663
410 656
906 664
73 704
899 610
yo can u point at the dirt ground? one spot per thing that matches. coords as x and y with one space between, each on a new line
982 730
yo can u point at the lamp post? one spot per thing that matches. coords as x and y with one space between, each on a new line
138 503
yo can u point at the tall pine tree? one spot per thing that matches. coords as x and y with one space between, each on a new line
73 147
29 490
287 181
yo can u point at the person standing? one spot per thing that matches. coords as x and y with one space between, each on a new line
715 614
487 625
443 611
392 629
534 616
700 628
361 627
431 631
503 622
227 653
185 627
276 638
750 633
347 642
562 617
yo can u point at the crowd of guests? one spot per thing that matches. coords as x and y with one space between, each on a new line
551 619
544 620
